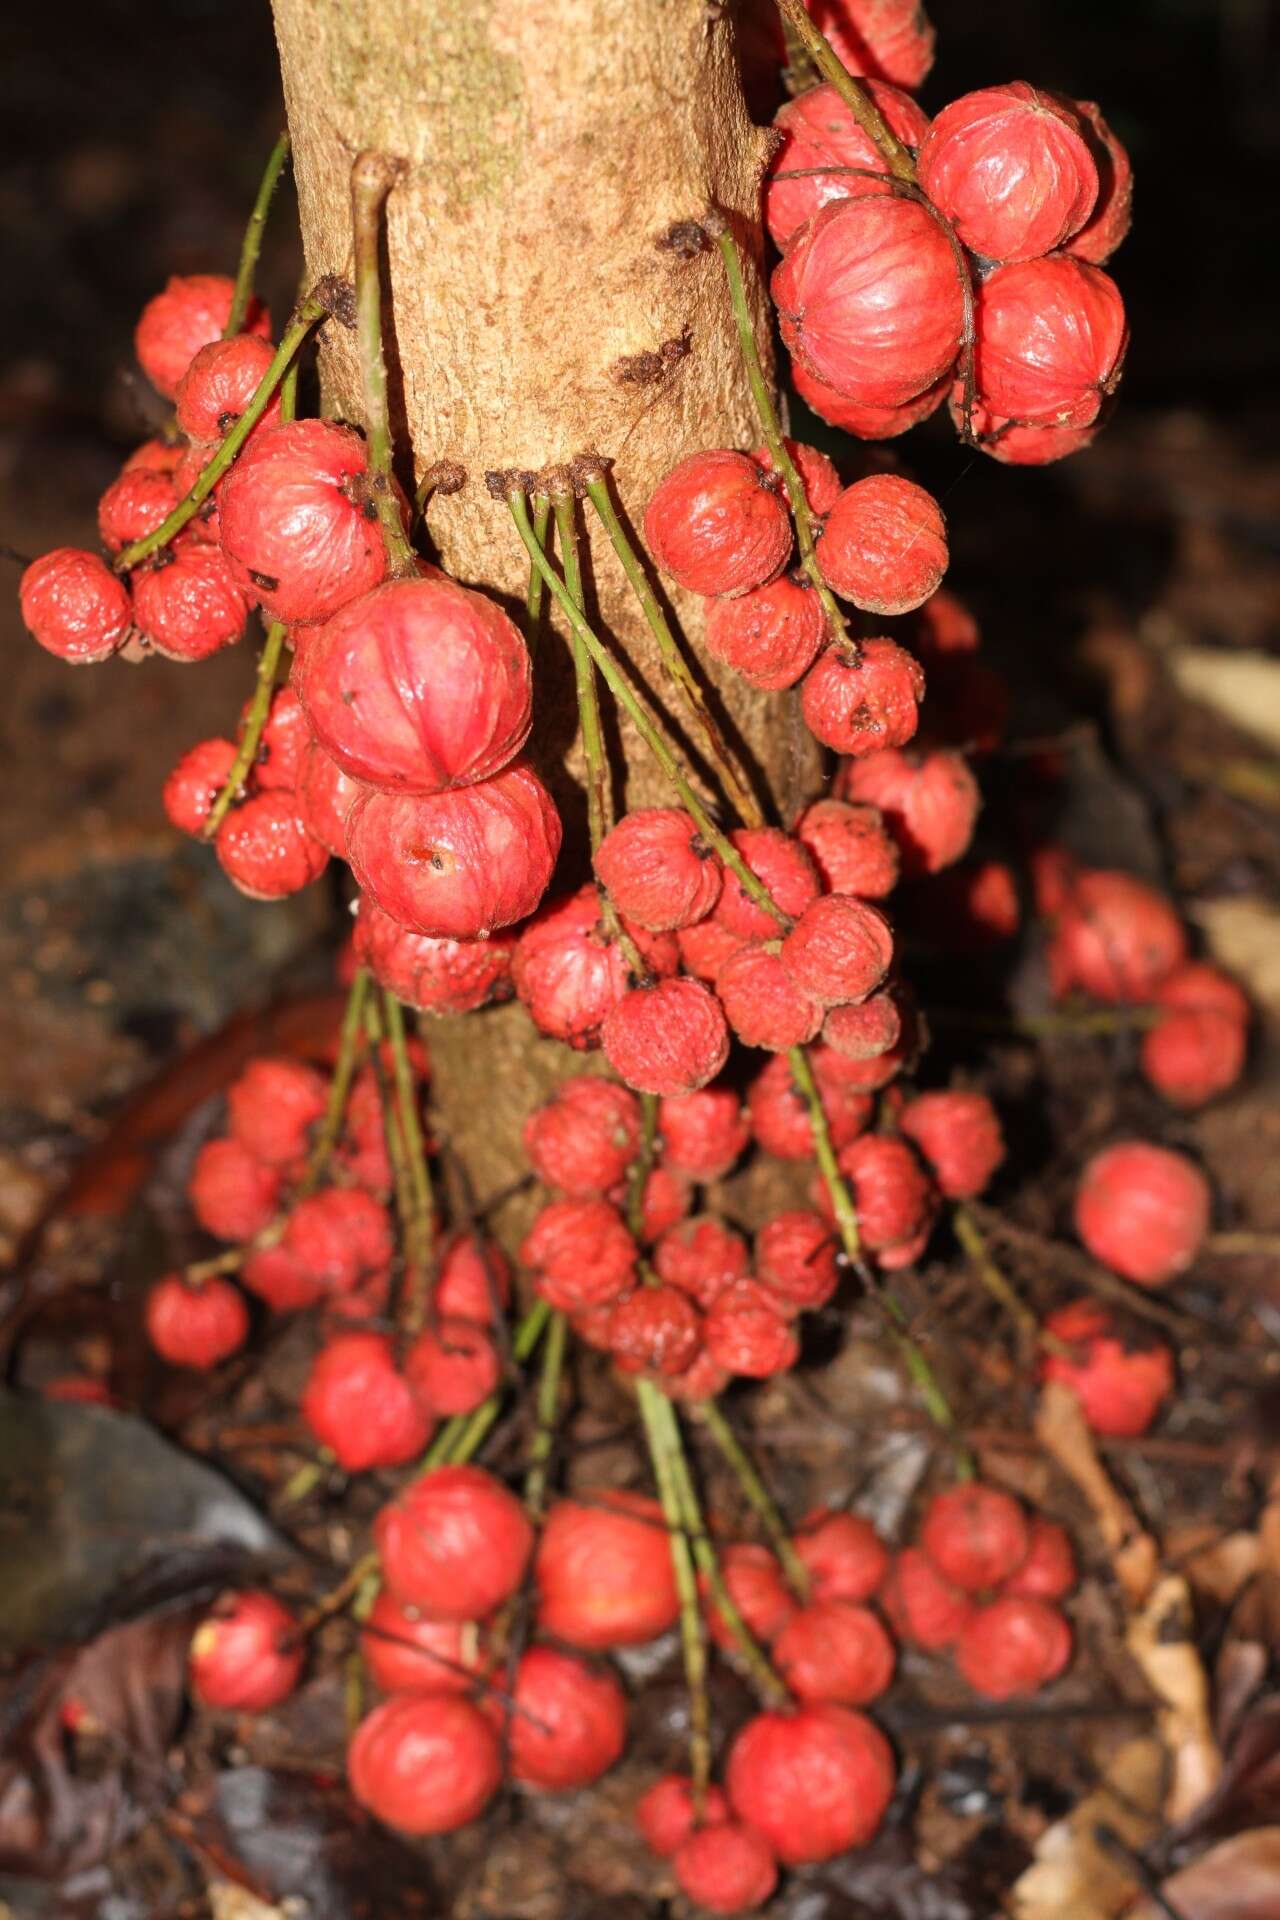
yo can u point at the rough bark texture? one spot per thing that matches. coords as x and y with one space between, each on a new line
543 303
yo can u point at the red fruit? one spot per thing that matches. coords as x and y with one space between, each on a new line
325 797
1012 442
703 1133
1200 988
715 524
839 949
273 1106
844 1556
584 1137
795 1260
976 1536
580 1254
158 456
850 848
135 505
232 1195
569 973
473 1281
924 1610
295 526
186 603
205 523
1049 1569
285 739
703 1380
457 864
1051 341
666 1037
279 1279
867 1032
406 1652
1013 1646
782 867
972 908
725 1868
704 949
666 1199
340 1236
603 1571
1197 1049
359 1405
418 686
74 606
665 1814
959 1135
866 423
654 1330
192 310
892 1193
753 1580
835 1650
884 545
884 39
763 1003
771 636
658 870
453 1542
240 1657
869 298
818 475
1143 1211
569 1721
864 696
433 975
702 1257
219 384
196 1326
1119 1382
819 132
195 783
1112 215
930 803
1011 169
813 1782
453 1367
780 1113
423 1764
1116 938
745 1333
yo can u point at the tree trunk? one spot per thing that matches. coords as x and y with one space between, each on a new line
545 301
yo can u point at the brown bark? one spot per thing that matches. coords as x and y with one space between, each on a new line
542 303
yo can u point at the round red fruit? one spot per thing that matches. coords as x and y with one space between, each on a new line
784 870
424 1764
725 1868
844 1555
884 546
195 783
219 384
1013 1646
658 870
959 1135
340 1236
975 1536
666 1815
1049 1569
864 696
892 1194
780 1113
1119 1381
703 1133
603 1571
325 797
75 607
771 636
474 1279
817 471
196 1326
1051 341
701 1257
453 1366
654 1330
1197 1048
135 505
580 1254
1011 169
359 1405
763 1003
454 1542
241 1654
753 1581
273 1106
1116 937
583 1139
795 1260
924 1610
745 1333
1112 215
186 603
814 1782
870 1031
883 39
835 1650
820 140
232 1195
174 325
569 973
666 1037
407 1652
850 848
1143 1211
930 803
864 422
568 1722
840 949
716 525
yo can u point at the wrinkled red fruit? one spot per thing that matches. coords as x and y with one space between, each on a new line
273 1106
850 848
603 1571
265 850
835 1650
1143 1211
584 1137
195 783
658 870
569 1721
424 1764
753 1580
580 1254
703 1133
665 1814
654 1330
325 797
883 39
196 1326
930 803
1049 1569
860 698
762 1002
780 1113
453 1366
884 546
339 1236
839 949
924 1610
892 1194
240 1657
1011 169
74 606
1120 1381
359 1405
725 1868
795 1259
569 973
783 868
1051 341
844 1555
814 1782
959 1135
818 475
866 423
1116 937
820 132
219 384
408 1652
134 506
701 1256
1197 1048
1013 1646
431 974
232 1195
1112 215
186 602
870 1031
745 1333
666 1037
771 636
453 1542
975 1536
716 525
191 311
473 1281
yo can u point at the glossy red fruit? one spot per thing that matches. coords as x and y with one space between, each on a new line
783 868
835 1650
923 1608
205 523
892 1194
883 39
1116 938
74 606
569 973
340 1236
666 1037
864 422
864 696
433 975
654 1330
658 870
453 1366
753 1580
134 505
473 1281
763 1003
716 525
929 802
186 603
424 1764
780 1113
1051 341
1011 169
240 1655
197 1326
840 949
703 1133
1013 443
285 739
1120 1381
192 310
795 1260
975 1535
818 475
701 1257
1143 1211
1197 1049
813 1782
850 848
325 797
843 1554
1013 1646
453 1542
869 298
706 948
725 1868
569 1722
771 636
869 1031
819 132
195 783
884 546
455 865
273 1106
1049 1569
745 1333
295 526
959 1135
407 1652
280 1280
603 1571
1112 215
580 1254
583 1139
665 1814
359 1405
219 384
232 1194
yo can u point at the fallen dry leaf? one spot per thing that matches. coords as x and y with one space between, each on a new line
1243 687
1239 1879
1160 1640
1063 1432
1216 1564
1243 933
1072 1877
230 1902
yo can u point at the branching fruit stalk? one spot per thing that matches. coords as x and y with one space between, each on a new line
546 1412
372 178
251 245
642 1165
758 1496
420 1225
692 1638
349 1039
856 98
467 1432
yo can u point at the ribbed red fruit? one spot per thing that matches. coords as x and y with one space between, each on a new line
219 384
568 1723
924 1609
745 1333
783 868
603 1571
872 1030
1013 443
658 870
855 417
273 1106
359 1404
666 1037
850 848
959 1135
704 1132
835 1650
819 132
453 1542
1011 169
869 297
884 546
1119 1379
795 1259
716 525
240 1655
763 1003
1013 1646
725 1868
654 1330
1116 937
265 850
863 697
186 603
844 1555
325 797
701 1256
1112 215
665 1199
196 1326
706 948
580 1254
424 1764
1197 1048
431 974
1143 1210
473 1281
453 1366
883 39
569 972
929 802
74 606
780 1113
583 1139
840 949
407 1652
975 1535
813 1782
1049 1569
134 505
232 1195
1051 341
819 476
455 865
892 1194
753 1580
665 1814
771 636
191 311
